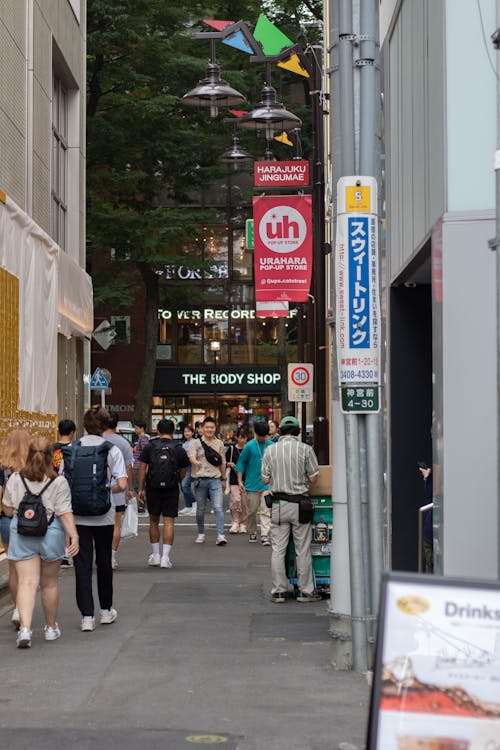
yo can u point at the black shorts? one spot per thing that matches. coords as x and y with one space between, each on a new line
120 508
162 502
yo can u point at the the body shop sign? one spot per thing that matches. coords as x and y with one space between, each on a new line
283 248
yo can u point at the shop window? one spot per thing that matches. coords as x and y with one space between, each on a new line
189 341
267 341
59 161
242 338
242 258
164 349
216 349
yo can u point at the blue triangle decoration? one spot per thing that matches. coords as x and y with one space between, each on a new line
238 41
98 380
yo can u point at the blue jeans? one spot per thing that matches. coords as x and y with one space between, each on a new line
209 488
187 490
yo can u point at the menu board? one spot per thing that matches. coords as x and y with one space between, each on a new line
437 677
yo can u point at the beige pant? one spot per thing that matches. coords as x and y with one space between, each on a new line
238 505
257 503
285 518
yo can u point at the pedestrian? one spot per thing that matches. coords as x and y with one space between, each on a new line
12 459
248 469
120 499
186 484
142 441
66 429
209 479
37 558
237 499
427 529
274 431
290 467
95 469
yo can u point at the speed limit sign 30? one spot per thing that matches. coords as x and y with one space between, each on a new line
300 381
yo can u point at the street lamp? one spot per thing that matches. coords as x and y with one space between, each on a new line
215 348
212 91
269 115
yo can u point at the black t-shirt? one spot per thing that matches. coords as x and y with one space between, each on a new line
232 455
180 454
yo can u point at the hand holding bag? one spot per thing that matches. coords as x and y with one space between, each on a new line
130 521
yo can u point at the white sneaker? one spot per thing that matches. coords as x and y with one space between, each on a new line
184 511
235 527
191 511
114 563
15 619
88 624
200 539
243 528
23 639
52 634
108 616
221 540
154 558
165 563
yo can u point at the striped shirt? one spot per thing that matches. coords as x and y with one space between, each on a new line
289 464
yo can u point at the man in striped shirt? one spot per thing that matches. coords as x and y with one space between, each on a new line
290 467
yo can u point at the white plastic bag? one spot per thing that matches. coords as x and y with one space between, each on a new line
130 520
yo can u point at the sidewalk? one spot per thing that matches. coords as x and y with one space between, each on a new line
199 655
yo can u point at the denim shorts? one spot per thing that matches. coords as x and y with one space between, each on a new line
49 547
5 522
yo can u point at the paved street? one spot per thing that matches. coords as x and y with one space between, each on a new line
199 656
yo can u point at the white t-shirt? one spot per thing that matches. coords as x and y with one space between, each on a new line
116 470
120 498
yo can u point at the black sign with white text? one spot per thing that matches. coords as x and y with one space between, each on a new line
222 379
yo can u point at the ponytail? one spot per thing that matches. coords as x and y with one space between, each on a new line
39 461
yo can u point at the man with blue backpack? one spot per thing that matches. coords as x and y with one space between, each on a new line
94 469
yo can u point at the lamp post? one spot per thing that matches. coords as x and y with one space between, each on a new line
270 117
215 348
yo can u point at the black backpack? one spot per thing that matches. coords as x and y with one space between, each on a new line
86 469
163 469
31 514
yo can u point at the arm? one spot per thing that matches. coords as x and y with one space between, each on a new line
141 479
192 454
6 507
68 522
130 481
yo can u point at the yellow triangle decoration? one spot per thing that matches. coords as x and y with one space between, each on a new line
283 138
294 64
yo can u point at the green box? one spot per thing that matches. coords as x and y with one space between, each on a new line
360 399
321 544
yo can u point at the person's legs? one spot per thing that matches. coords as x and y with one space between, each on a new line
154 529
187 490
13 581
5 522
82 563
201 493
49 579
103 536
302 541
217 499
244 510
265 519
116 532
168 530
28 580
235 507
253 499
280 534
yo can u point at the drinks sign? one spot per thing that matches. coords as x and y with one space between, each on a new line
438 658
283 248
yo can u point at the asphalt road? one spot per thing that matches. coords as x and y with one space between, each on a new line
198 657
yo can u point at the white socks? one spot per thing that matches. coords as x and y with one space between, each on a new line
166 551
156 548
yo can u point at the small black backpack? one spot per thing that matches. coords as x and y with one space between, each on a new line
31 514
163 470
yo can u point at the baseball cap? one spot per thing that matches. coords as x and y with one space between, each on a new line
289 422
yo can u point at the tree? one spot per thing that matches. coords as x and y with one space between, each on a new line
147 157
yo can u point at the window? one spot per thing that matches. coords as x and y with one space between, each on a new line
122 328
59 161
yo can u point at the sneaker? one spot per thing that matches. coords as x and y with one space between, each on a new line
191 511
141 509
114 563
200 539
88 624
165 563
235 527
278 597
154 558
184 512
242 529
23 639
221 540
252 538
303 597
66 562
15 620
108 616
265 541
52 634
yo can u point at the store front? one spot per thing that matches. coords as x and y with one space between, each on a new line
234 396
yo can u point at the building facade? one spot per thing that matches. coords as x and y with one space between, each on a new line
440 133
46 296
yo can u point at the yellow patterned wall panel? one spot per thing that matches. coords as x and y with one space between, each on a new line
11 417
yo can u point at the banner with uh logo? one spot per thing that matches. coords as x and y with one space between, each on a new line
283 248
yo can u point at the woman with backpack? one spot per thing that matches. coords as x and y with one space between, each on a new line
37 558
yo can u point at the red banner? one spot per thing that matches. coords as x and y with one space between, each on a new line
277 174
283 248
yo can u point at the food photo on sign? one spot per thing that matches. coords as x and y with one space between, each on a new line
437 678
283 248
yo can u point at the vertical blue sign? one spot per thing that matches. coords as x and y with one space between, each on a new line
359 282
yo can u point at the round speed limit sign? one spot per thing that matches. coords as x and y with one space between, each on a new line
300 382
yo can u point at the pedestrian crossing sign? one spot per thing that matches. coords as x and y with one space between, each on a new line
98 381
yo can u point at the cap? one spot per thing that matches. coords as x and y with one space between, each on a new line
289 422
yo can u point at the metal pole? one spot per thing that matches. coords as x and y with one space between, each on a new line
497 240
369 166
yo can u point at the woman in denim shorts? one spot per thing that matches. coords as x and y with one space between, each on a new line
37 559
13 458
